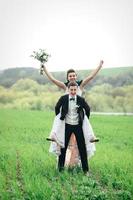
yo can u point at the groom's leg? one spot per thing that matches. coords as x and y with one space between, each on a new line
61 159
82 147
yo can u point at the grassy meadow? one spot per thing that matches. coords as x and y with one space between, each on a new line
28 171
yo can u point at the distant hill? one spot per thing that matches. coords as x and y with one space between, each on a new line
115 71
114 76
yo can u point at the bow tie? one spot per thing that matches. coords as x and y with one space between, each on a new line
72 99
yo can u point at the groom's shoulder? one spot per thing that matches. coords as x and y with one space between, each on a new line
64 96
79 97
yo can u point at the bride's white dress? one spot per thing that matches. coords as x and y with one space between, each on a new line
58 133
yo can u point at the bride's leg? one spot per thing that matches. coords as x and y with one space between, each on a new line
72 156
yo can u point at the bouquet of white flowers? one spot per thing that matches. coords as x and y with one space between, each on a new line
40 55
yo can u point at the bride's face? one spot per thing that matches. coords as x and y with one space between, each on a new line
72 76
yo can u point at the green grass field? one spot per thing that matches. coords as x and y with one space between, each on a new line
28 170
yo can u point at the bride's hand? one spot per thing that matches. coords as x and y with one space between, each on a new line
42 68
101 62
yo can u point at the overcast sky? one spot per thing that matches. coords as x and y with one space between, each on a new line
77 33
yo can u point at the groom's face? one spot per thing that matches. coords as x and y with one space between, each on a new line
73 90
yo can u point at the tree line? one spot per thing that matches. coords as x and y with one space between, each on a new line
29 94
117 77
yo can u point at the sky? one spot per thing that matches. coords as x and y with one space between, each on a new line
76 33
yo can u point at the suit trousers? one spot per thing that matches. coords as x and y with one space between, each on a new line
77 130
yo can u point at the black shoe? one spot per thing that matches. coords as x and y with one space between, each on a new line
50 139
61 169
94 140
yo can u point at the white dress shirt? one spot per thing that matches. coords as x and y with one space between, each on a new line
72 115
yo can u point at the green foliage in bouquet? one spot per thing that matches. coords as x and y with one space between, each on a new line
40 55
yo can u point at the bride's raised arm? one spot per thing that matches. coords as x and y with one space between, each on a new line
60 84
91 75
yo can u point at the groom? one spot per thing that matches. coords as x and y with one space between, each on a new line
73 108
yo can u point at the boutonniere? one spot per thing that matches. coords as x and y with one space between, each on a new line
77 107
